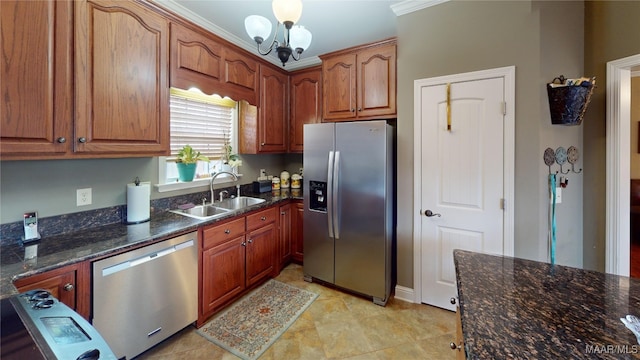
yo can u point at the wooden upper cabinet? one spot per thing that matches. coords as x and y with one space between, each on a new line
196 60
305 104
265 129
122 88
360 83
36 111
240 76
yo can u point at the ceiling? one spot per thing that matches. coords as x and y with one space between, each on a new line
334 25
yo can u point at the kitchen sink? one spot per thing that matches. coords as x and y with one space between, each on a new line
203 211
238 202
211 211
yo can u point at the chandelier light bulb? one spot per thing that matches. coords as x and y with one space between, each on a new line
287 10
258 27
299 37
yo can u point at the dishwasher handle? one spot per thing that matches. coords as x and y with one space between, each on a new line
146 258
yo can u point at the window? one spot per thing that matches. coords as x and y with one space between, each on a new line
204 122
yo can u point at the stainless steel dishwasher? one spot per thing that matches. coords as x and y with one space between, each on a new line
143 296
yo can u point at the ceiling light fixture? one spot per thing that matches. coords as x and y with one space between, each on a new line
295 38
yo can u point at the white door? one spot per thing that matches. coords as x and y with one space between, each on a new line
462 179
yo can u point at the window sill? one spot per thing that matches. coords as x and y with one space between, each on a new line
196 183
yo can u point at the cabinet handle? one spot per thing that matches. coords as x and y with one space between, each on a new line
82 140
68 287
283 213
227 231
62 140
453 346
264 218
452 301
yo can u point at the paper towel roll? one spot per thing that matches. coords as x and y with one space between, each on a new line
138 204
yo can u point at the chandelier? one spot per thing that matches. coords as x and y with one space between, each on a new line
295 38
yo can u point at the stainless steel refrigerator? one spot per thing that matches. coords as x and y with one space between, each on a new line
348 206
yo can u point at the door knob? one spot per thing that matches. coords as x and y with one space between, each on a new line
429 213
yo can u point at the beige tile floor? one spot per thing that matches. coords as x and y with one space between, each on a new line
337 326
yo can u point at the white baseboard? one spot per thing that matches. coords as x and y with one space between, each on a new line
405 294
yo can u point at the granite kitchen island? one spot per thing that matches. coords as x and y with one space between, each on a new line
520 309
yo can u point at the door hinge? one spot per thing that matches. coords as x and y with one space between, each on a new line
504 108
503 204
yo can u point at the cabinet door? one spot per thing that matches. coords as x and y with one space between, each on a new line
305 96
261 249
339 87
36 71
273 125
377 81
223 275
69 284
284 240
240 76
122 89
297 232
196 60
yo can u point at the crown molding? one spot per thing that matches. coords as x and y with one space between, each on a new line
410 6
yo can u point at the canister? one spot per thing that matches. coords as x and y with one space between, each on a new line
284 180
275 183
296 181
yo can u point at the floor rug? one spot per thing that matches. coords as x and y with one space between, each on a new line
248 327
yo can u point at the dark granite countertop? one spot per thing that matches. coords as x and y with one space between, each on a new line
520 309
97 242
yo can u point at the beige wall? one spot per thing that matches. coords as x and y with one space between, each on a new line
613 32
635 127
463 36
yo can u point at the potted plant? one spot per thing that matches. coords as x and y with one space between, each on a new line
187 162
230 161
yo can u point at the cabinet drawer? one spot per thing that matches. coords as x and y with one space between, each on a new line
218 234
261 218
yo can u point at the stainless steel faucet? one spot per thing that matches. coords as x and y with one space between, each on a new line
235 178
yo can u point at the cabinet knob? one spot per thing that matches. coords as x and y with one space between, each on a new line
82 140
250 241
264 218
68 287
453 346
452 301
283 213
359 109
243 243
261 144
61 140
227 231
353 110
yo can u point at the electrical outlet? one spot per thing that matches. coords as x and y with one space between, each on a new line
263 172
83 197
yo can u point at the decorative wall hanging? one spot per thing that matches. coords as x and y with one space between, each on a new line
568 99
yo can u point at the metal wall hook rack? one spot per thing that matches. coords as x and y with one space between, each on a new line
561 156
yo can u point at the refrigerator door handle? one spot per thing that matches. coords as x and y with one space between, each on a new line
329 193
334 194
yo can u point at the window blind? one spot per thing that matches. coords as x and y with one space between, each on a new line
203 123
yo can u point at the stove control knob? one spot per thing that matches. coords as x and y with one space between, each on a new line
68 287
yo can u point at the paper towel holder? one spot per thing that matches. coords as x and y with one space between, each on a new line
138 198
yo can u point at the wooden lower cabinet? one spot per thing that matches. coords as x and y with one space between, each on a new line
297 232
459 344
284 242
234 256
69 284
